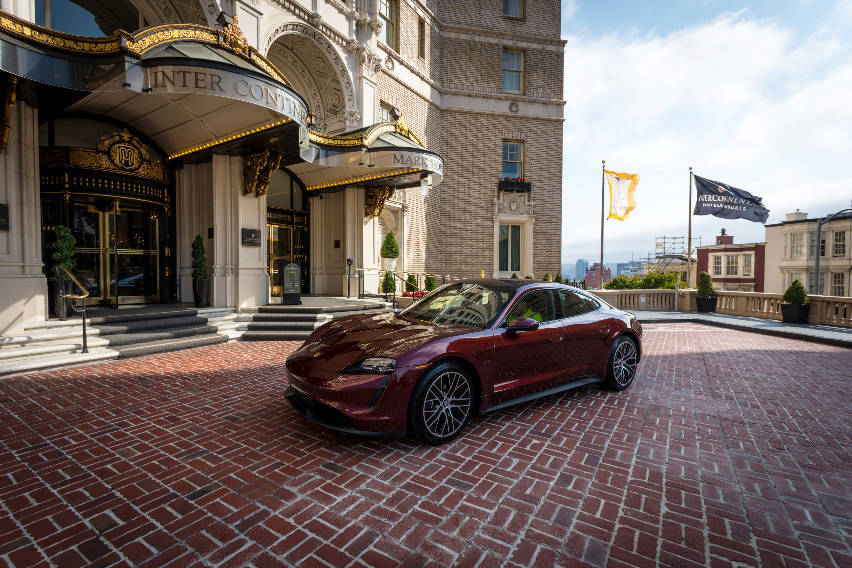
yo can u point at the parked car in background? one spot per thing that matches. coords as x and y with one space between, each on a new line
468 347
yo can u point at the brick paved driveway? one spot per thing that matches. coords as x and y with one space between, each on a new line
731 449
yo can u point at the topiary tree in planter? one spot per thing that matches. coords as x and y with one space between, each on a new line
200 274
62 257
548 277
706 300
558 278
515 275
795 308
388 285
411 283
430 282
390 251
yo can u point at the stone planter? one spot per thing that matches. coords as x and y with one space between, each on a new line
795 313
706 305
388 264
201 292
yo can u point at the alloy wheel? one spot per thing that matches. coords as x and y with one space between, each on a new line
624 362
447 404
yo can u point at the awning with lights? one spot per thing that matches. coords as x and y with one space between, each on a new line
387 154
188 87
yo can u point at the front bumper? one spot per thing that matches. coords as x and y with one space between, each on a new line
331 418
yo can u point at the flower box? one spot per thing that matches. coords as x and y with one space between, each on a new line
514 185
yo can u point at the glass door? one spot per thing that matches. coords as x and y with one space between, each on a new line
89 236
135 251
279 252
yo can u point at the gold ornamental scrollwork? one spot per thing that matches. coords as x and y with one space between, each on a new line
233 36
258 170
10 95
374 200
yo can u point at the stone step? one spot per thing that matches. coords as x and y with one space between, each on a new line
138 338
349 307
49 347
305 326
38 362
162 346
275 316
142 326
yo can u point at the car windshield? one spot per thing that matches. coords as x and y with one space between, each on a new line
461 304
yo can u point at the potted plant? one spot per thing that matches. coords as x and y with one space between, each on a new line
795 307
411 283
706 300
390 251
388 285
62 257
430 282
200 280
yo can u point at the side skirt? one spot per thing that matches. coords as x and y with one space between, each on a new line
561 388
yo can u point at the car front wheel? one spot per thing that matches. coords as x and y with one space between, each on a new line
623 360
441 404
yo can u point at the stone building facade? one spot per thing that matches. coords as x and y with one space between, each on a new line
735 267
280 131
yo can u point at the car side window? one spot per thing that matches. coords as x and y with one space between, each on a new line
536 304
575 304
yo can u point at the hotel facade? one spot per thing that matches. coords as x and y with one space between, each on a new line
280 132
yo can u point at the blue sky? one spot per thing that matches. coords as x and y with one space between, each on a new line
754 94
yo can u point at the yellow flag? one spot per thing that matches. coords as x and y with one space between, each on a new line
621 188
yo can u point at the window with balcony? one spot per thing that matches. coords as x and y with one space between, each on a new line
747 264
839 243
717 265
732 264
513 71
513 8
509 248
796 248
513 160
838 283
389 16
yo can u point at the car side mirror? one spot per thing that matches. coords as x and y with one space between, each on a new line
522 324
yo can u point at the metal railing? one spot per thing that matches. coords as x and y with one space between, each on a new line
81 310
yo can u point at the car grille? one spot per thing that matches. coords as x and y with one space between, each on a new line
317 411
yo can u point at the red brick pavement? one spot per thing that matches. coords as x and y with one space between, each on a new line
731 449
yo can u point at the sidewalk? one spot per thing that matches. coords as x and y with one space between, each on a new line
819 333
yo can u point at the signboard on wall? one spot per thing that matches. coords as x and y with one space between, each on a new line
250 237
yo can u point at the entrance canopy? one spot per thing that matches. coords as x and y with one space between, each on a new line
187 87
387 154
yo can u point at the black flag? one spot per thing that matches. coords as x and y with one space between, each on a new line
727 202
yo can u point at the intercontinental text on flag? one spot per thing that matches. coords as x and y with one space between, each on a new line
728 202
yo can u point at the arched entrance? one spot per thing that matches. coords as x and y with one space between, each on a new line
316 71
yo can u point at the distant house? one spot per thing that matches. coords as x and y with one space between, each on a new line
734 267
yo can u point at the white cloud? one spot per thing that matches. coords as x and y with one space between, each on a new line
744 101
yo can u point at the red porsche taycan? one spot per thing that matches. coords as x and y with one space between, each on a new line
468 347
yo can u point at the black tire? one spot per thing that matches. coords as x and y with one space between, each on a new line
622 364
441 404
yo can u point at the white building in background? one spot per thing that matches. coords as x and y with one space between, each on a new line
792 248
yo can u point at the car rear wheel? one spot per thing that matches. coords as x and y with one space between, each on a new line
623 360
442 403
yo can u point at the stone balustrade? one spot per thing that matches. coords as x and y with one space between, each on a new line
825 310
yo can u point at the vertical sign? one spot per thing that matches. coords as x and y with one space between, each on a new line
292 284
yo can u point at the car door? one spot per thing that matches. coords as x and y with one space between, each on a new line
587 330
528 361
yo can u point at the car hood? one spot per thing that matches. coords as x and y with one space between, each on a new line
346 341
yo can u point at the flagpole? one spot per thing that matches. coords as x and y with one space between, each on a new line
600 267
689 237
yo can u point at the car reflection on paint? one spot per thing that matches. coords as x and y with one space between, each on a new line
469 347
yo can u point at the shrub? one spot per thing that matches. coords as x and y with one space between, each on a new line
515 275
528 277
199 259
558 278
390 248
430 282
388 285
411 283
795 294
63 252
548 277
705 285
661 280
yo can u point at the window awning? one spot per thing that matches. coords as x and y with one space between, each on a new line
187 87
387 154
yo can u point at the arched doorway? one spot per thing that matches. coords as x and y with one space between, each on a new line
316 71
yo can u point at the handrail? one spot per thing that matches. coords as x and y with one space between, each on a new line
82 297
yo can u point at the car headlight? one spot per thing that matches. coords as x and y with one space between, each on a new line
373 365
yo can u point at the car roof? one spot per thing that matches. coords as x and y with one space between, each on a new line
514 283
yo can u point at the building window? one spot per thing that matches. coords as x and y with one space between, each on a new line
839 243
421 38
813 288
510 248
795 276
796 245
513 8
513 71
717 265
811 245
747 262
385 113
838 283
513 160
732 264
388 14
